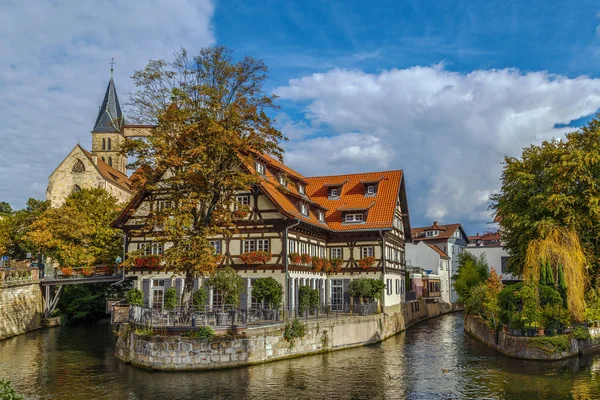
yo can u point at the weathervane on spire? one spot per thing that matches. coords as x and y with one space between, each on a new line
112 65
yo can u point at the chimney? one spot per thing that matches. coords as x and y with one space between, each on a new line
435 223
95 159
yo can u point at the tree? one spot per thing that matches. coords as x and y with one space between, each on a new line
170 298
491 304
5 208
269 290
228 284
78 234
471 272
15 227
84 302
135 297
556 183
211 118
366 288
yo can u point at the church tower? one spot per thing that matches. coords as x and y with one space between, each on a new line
107 135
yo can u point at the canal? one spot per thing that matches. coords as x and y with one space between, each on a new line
432 360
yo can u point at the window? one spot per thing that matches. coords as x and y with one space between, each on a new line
291 246
322 252
504 264
103 159
242 200
260 168
78 167
76 188
249 245
303 209
371 189
336 252
282 180
109 144
216 244
354 217
397 286
157 249
321 216
110 161
333 192
432 233
161 205
303 248
366 251
300 188
103 144
262 245
388 286
158 286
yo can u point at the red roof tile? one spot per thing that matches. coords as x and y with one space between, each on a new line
445 231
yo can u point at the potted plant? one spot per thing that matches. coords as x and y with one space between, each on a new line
170 298
366 262
295 258
270 291
317 264
305 258
336 264
254 257
228 284
67 272
304 293
87 271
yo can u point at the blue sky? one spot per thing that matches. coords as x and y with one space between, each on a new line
442 90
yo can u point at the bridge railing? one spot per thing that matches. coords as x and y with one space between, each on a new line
12 277
79 273
232 316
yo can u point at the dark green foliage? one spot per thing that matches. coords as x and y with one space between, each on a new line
135 297
307 298
170 298
562 286
581 333
5 208
269 290
294 330
228 283
474 303
199 298
549 295
7 392
204 332
366 288
84 302
471 271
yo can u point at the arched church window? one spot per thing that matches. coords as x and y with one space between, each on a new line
110 161
78 166
109 144
103 144
76 188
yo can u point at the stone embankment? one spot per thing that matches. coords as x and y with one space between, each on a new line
20 308
533 348
266 344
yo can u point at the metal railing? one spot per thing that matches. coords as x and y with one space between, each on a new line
79 273
230 316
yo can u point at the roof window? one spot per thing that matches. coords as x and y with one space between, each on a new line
260 168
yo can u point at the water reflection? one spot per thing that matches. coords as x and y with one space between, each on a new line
432 360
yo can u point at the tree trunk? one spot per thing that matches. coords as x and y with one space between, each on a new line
188 288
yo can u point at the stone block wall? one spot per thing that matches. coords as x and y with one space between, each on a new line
20 309
267 344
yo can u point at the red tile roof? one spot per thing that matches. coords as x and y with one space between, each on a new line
445 231
437 250
109 173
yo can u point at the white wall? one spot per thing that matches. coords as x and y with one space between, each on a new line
423 256
494 256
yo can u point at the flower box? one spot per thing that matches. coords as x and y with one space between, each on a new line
306 259
67 272
317 264
149 262
295 258
366 262
336 264
256 257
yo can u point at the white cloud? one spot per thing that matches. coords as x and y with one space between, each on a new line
448 131
54 69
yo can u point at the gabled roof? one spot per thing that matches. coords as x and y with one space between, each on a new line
110 118
437 250
380 207
109 173
445 231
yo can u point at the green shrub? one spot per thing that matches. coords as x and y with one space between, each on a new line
552 344
170 298
294 330
269 290
144 331
228 283
7 392
366 288
305 298
581 333
474 303
135 297
199 298
204 332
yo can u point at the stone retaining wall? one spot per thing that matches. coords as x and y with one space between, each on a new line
267 343
20 309
527 347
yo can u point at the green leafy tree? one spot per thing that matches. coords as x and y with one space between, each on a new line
555 183
366 288
83 302
269 290
7 392
170 298
14 229
211 116
471 272
491 303
228 284
78 234
135 297
199 298
5 209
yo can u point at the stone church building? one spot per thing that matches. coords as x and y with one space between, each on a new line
104 166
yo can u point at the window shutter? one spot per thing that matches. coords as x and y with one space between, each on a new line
346 285
168 284
146 290
196 284
178 289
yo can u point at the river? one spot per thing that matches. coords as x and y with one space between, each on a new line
432 360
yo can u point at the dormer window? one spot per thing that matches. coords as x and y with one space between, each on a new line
300 188
370 190
303 209
432 233
354 217
282 180
321 216
334 192
260 168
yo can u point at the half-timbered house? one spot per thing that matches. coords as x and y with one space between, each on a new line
321 231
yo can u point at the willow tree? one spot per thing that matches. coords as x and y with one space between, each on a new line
557 181
557 258
210 113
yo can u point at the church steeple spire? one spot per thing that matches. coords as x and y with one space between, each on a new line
110 118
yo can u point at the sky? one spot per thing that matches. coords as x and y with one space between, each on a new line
441 90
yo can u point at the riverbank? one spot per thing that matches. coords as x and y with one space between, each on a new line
265 344
20 308
542 348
